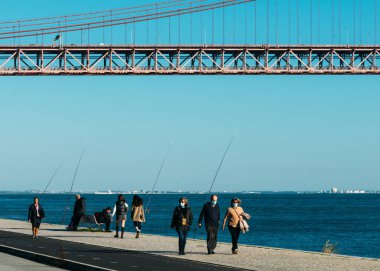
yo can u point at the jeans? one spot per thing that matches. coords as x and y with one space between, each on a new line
182 234
212 237
235 232
137 225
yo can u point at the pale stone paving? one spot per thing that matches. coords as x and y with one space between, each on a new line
249 257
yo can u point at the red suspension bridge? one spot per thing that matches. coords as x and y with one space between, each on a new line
25 48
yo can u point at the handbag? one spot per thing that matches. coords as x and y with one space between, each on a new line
243 225
184 220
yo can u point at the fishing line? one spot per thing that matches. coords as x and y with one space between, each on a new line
72 185
52 177
221 162
147 210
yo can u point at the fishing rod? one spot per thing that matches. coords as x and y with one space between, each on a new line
72 185
218 169
221 162
147 210
52 177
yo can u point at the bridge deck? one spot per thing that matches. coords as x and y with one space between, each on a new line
188 59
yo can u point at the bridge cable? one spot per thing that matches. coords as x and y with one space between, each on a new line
332 20
78 27
289 22
298 21
255 20
311 22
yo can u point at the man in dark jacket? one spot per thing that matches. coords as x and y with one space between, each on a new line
211 215
104 217
79 210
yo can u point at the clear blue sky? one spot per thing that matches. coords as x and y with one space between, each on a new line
295 133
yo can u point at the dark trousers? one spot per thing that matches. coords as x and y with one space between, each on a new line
77 219
212 237
105 220
137 224
235 232
182 234
108 224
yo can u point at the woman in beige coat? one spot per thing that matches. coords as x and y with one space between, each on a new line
234 216
137 214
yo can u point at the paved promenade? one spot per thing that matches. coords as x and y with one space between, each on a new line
12 263
165 250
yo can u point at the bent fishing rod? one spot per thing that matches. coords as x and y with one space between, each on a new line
221 162
147 210
218 169
52 177
72 185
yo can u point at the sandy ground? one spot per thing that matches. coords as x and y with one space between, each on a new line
12 263
249 257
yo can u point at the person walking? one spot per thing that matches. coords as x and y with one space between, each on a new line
35 215
181 221
234 217
121 210
137 214
79 211
211 215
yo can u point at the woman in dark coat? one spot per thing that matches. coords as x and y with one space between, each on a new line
121 210
35 215
182 220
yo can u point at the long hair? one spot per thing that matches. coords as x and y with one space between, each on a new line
184 199
137 200
120 197
235 199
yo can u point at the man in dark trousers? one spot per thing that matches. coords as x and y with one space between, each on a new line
104 217
79 210
211 214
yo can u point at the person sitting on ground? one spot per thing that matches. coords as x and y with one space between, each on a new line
35 215
104 217
137 214
121 210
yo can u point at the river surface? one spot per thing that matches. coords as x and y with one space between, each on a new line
295 221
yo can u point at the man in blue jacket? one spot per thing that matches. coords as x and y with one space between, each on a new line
211 215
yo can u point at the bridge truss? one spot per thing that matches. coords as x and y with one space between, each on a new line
188 60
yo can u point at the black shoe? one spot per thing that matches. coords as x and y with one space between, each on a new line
116 236
212 252
183 253
180 253
209 252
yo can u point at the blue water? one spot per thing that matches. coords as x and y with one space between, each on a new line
295 221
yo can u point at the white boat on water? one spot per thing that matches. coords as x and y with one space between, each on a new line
109 192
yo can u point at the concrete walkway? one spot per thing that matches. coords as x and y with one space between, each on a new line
250 257
12 263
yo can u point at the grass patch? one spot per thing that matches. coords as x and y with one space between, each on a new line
330 248
90 229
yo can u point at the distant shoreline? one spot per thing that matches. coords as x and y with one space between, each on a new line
186 192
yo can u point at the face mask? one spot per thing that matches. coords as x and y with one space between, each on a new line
182 205
213 202
235 205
